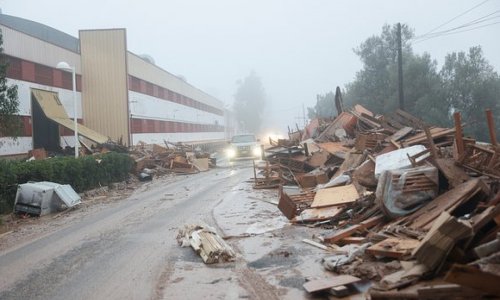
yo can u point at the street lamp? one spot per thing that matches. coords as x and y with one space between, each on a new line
64 66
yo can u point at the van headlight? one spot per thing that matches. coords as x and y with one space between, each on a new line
230 153
256 151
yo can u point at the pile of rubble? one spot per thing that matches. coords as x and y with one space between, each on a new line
414 209
176 158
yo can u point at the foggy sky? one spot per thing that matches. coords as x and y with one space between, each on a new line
299 48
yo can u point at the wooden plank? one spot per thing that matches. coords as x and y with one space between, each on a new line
353 240
430 143
491 127
317 214
343 233
438 242
393 247
474 278
435 133
401 133
328 283
458 133
335 196
446 202
315 244
333 147
479 220
286 205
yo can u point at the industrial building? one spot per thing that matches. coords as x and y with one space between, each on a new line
120 95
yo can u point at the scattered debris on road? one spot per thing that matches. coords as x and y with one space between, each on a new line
207 243
394 189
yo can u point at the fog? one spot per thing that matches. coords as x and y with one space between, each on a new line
298 48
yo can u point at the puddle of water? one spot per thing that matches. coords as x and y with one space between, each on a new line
293 282
267 225
281 257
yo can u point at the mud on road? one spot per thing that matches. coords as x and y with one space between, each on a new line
121 244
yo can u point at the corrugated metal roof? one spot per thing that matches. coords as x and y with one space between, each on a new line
54 110
41 31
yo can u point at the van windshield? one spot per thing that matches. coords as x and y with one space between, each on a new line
243 139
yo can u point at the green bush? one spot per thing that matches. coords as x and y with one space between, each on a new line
82 174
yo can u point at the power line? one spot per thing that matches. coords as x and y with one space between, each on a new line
471 23
456 17
455 32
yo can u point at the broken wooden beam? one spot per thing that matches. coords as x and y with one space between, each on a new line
343 233
439 241
459 133
328 283
491 127
474 278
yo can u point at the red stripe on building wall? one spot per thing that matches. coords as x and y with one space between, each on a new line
148 88
27 128
21 69
159 126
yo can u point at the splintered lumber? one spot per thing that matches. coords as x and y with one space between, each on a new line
435 133
201 164
401 133
491 127
328 283
211 247
335 196
315 244
289 205
453 173
393 247
481 219
423 218
354 240
481 159
458 133
334 148
343 233
471 277
207 243
439 241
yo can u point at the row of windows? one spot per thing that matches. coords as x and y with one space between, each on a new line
148 88
157 126
33 72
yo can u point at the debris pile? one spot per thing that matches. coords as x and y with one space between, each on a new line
207 243
176 158
392 190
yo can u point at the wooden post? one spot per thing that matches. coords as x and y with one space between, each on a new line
459 133
430 140
491 127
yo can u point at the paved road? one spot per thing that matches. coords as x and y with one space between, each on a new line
128 249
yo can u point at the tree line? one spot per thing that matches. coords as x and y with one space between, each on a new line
466 82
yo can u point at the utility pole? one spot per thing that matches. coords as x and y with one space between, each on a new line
400 70
304 115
